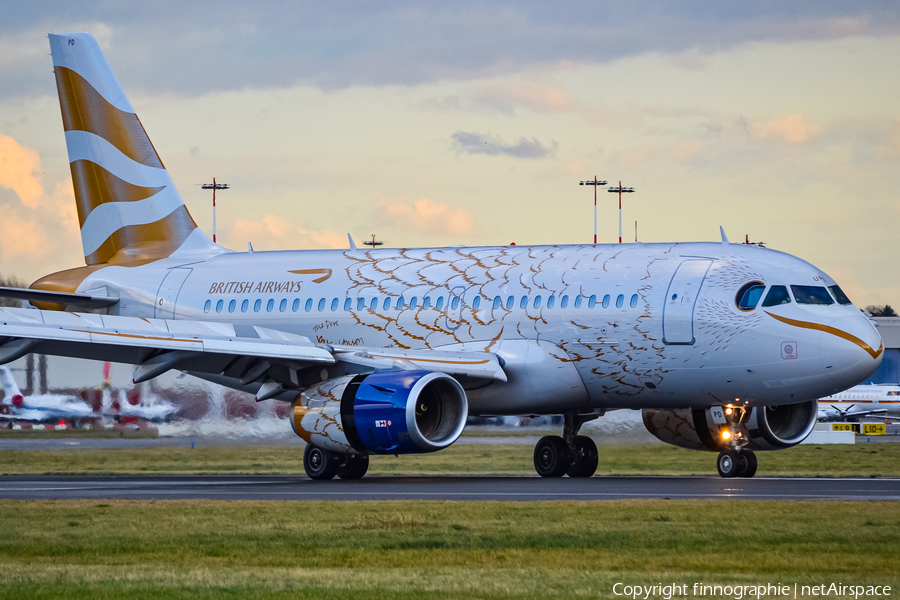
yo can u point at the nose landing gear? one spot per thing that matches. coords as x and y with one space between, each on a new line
572 454
735 459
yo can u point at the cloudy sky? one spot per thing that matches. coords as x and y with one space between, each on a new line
472 123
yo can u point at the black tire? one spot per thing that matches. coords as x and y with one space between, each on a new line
551 456
353 467
319 463
584 463
730 463
749 464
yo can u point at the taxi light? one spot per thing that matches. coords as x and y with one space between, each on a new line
728 411
726 435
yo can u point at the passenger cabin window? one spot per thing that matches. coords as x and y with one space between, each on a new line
334 304
748 296
592 301
537 301
360 304
295 305
207 306
426 303
778 294
413 302
282 306
219 305
232 305
509 303
308 306
454 304
551 301
257 305
578 301
321 305
476 303
606 301
564 302
524 302
839 295
399 305
634 301
270 305
811 294
245 305
496 302
439 304
348 303
620 300
387 304
373 305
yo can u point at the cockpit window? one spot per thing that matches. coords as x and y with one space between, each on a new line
839 295
748 296
810 294
777 295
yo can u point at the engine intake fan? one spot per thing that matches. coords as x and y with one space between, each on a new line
385 412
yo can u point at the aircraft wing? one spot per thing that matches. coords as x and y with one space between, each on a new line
158 345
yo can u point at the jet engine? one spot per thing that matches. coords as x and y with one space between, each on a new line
764 427
385 412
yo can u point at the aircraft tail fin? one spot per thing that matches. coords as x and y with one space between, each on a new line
10 389
128 208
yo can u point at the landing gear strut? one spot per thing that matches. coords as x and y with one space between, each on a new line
735 459
323 464
572 454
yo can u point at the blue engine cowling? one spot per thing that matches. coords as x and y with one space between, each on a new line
385 412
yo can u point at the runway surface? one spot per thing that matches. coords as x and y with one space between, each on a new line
261 487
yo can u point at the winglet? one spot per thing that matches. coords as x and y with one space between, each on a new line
352 243
724 237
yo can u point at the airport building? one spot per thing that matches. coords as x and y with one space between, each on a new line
889 371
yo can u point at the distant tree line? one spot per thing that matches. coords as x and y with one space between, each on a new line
11 281
881 311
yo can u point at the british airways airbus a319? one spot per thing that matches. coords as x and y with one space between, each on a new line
724 347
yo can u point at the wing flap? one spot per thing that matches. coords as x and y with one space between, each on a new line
477 365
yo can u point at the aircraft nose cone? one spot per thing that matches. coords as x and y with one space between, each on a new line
851 350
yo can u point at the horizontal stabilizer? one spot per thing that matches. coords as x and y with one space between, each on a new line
71 301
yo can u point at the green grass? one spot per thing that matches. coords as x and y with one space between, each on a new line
399 550
476 432
23 434
860 460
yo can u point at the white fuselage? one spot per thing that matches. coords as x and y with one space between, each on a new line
579 327
875 400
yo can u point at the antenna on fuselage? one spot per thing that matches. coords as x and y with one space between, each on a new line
352 243
724 237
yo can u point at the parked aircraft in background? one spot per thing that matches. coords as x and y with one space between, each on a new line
724 347
44 408
870 400
152 409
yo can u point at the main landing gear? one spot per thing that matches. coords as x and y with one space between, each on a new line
323 464
572 454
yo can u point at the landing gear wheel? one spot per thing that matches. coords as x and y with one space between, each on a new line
730 463
584 463
320 463
551 456
353 467
749 464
